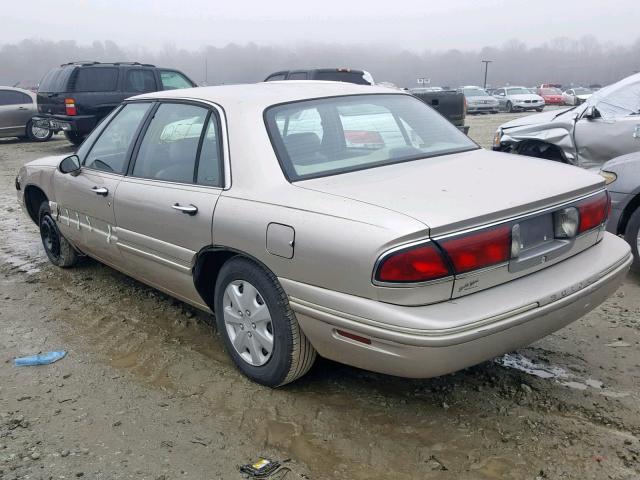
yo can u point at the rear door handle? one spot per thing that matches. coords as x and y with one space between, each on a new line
100 191
23 108
189 210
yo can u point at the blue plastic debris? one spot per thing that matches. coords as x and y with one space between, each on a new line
40 359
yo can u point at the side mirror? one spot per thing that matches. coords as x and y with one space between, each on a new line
591 113
70 165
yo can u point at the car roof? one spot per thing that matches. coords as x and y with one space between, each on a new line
264 94
17 89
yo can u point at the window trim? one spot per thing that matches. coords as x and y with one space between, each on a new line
130 149
211 111
278 146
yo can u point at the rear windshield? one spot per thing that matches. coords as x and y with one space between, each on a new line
55 80
95 79
317 138
336 76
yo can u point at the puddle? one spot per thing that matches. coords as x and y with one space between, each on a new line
561 375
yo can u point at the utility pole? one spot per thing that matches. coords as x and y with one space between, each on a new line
486 69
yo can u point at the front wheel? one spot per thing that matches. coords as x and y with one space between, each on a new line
74 137
509 107
539 109
57 248
38 134
632 236
258 327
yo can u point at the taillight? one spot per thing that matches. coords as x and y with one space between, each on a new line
479 249
70 106
594 211
415 264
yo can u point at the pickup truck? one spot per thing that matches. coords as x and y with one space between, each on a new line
449 103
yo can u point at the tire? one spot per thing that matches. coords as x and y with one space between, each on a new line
539 109
632 236
57 248
36 134
74 137
509 107
291 355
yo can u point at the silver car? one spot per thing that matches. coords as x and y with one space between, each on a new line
622 175
576 96
17 107
605 126
518 99
327 218
479 101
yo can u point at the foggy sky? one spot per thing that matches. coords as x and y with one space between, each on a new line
416 25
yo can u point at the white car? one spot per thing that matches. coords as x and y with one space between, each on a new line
512 99
576 96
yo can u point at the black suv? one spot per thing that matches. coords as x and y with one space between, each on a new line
74 97
349 75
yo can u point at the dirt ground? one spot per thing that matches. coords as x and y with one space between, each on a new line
146 390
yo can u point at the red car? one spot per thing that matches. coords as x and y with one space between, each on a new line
552 96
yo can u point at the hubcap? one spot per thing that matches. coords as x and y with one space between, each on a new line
39 132
248 322
49 235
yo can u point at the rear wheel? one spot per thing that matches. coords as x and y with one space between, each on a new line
57 248
509 107
259 329
74 137
37 134
632 236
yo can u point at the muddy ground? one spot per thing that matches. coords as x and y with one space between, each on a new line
147 392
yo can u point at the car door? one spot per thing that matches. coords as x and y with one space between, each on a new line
501 97
164 206
600 139
16 109
85 212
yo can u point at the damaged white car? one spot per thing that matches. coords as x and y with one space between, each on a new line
607 125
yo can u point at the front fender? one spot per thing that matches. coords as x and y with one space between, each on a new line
559 136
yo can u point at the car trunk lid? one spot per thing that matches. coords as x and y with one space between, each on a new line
460 191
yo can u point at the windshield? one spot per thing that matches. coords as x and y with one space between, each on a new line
316 138
475 92
620 99
551 91
582 91
518 91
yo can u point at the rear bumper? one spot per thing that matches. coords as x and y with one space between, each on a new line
432 340
78 124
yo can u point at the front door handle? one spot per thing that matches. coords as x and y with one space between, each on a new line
189 210
23 108
100 191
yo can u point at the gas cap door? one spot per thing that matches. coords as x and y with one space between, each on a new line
280 240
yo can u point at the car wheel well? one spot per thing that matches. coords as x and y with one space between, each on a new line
543 150
208 265
626 214
33 198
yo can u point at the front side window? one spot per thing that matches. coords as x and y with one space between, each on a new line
298 76
316 138
276 77
139 80
109 153
170 145
173 80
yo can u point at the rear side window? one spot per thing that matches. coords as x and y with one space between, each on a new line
96 79
349 77
139 80
11 97
298 76
170 145
172 80
210 161
55 80
109 153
